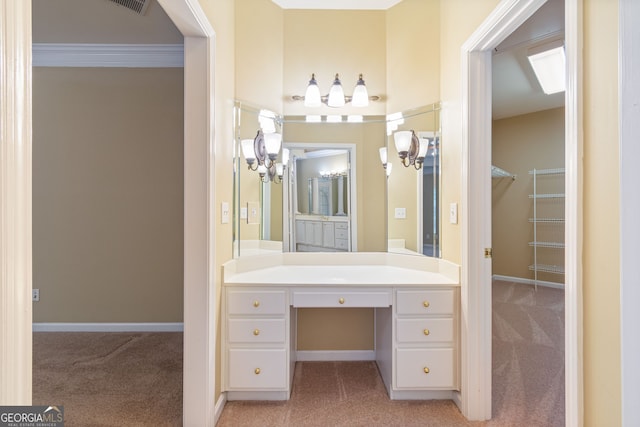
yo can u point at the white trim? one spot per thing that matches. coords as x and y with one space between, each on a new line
108 327
334 355
476 202
528 281
15 203
200 277
629 93
108 55
222 401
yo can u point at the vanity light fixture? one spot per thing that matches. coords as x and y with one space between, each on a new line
384 159
411 149
261 154
336 97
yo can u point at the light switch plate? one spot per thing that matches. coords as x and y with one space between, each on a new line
243 213
225 212
453 213
253 214
401 213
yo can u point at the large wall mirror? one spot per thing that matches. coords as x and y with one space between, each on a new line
325 189
414 183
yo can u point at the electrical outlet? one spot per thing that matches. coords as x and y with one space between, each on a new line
35 295
400 213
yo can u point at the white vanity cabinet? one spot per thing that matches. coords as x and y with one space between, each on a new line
322 234
256 335
416 320
425 340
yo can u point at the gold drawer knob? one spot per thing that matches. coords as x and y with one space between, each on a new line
426 370
341 300
426 332
256 332
257 371
256 303
425 304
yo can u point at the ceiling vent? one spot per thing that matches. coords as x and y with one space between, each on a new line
138 6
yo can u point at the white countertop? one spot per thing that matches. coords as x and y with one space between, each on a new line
345 270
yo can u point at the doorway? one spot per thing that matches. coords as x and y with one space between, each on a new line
476 207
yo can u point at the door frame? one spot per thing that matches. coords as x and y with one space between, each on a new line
476 206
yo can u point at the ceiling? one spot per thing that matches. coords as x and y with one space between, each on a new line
515 87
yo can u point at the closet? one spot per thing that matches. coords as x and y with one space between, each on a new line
548 224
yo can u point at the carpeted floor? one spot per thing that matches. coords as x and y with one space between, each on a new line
110 379
135 379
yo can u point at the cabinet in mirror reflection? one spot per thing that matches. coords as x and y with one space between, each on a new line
357 207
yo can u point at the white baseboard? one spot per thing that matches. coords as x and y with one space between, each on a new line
108 327
222 400
528 281
335 355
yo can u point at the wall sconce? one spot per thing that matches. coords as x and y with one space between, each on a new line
261 154
336 97
411 149
383 158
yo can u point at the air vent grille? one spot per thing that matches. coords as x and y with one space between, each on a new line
138 6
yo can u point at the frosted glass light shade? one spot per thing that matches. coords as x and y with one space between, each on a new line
383 155
279 169
402 140
272 142
262 170
247 150
388 169
424 147
336 94
285 156
360 96
312 96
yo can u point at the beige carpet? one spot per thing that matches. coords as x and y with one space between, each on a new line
110 379
128 379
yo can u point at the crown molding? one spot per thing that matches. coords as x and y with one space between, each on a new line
108 55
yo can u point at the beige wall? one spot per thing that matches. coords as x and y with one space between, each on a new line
107 194
326 42
413 54
259 44
221 15
601 256
519 145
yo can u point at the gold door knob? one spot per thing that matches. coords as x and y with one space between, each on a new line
341 300
256 332
256 303
426 332
257 371
425 304
426 370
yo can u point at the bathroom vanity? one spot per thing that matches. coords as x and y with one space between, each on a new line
416 302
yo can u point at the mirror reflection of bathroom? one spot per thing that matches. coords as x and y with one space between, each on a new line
413 186
320 196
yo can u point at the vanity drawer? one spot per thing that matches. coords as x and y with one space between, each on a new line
433 301
257 369
341 233
341 226
425 368
341 299
256 331
424 330
342 244
256 302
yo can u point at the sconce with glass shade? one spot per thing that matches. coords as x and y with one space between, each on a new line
261 154
336 97
411 149
384 159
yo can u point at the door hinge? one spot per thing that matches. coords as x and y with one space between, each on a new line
488 252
